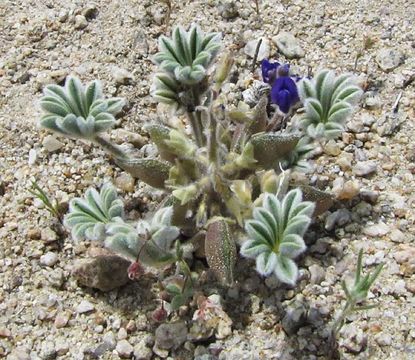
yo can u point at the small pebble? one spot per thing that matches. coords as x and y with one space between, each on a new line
49 259
389 59
378 229
364 168
125 182
263 53
61 319
51 144
85 307
48 235
80 22
32 157
345 190
288 45
122 76
124 349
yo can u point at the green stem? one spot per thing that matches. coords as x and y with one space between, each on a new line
109 147
195 124
347 310
213 140
195 116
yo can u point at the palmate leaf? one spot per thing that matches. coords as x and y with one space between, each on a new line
77 111
328 102
88 217
185 57
276 234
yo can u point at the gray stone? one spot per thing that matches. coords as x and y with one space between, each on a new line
378 229
125 182
56 278
124 349
170 336
370 196
19 353
263 53
371 100
295 317
80 22
389 59
51 144
85 307
288 45
317 274
397 236
228 9
364 168
109 340
48 235
49 259
32 157
48 351
383 339
142 351
122 76
340 218
105 272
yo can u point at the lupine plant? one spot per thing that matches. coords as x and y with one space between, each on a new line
225 172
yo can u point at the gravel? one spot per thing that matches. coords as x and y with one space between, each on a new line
46 313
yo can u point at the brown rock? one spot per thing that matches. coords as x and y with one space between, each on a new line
105 272
62 319
406 258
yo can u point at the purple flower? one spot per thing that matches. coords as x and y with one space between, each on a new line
269 70
284 91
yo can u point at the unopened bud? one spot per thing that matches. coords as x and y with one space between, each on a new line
135 270
159 314
224 68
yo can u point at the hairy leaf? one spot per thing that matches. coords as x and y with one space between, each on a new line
276 234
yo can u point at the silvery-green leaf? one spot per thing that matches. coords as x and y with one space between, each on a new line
276 234
286 270
314 110
87 216
123 239
292 246
115 105
266 262
93 92
306 89
76 111
339 112
252 248
328 103
185 56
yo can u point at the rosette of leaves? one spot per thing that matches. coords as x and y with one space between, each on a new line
88 217
328 101
276 234
99 217
184 60
150 241
78 111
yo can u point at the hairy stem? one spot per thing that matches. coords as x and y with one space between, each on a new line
196 126
339 322
109 147
213 140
